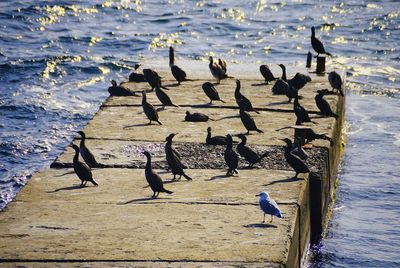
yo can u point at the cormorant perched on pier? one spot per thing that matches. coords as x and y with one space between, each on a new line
149 110
317 45
153 179
298 149
299 80
291 93
197 117
269 206
281 85
173 161
136 77
336 82
248 122
152 78
231 157
211 92
311 136
247 153
177 72
323 105
267 74
164 98
118 90
242 101
301 113
294 161
218 70
81 169
216 140
85 152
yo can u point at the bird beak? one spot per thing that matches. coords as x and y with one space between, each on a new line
257 195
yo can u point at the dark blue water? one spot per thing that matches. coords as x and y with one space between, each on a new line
56 62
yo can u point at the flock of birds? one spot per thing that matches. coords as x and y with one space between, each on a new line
294 153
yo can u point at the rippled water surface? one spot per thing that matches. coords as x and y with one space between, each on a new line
56 61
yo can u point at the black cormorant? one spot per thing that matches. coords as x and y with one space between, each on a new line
153 179
248 122
81 169
196 117
211 92
242 101
177 72
173 161
317 45
323 105
152 78
136 77
294 161
85 152
281 85
247 153
216 140
231 157
291 93
149 110
267 74
299 80
336 82
301 113
118 90
164 98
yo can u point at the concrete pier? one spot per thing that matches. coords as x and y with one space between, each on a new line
211 221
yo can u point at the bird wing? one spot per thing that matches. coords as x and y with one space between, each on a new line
83 171
269 206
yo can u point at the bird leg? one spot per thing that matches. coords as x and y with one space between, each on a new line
271 218
154 195
264 219
81 184
149 123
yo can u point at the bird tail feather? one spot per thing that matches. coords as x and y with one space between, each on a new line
187 177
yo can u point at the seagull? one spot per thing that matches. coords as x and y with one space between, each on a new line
269 206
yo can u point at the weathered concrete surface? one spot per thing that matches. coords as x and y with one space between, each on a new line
130 123
212 221
119 221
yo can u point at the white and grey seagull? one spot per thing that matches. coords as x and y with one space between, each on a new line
269 206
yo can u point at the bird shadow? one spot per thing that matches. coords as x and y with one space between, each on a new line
66 173
292 179
136 125
141 200
218 177
172 85
259 84
74 187
228 117
260 225
277 103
